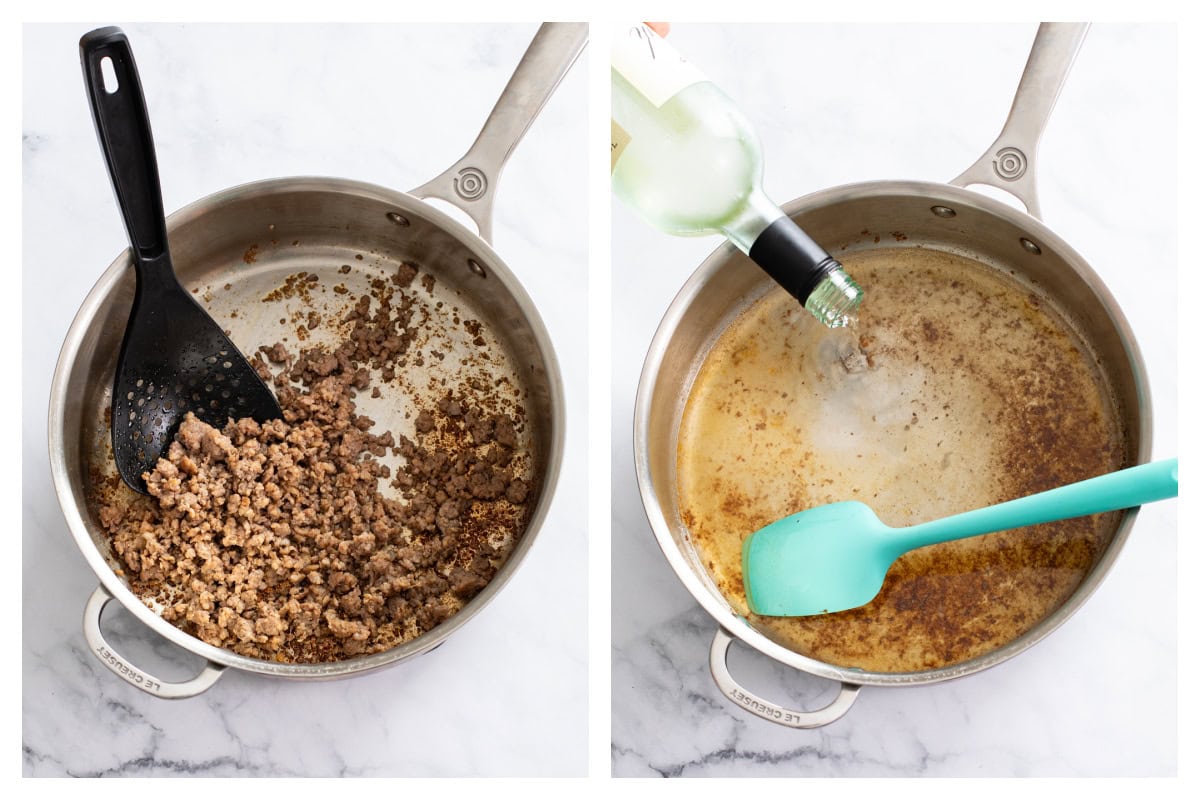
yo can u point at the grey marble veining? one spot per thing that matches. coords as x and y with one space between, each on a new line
393 105
837 104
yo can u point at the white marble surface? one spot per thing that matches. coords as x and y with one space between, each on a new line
392 105
838 104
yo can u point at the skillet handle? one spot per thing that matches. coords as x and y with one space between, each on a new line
1010 163
718 662
470 184
120 666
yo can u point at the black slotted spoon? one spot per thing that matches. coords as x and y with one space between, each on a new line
174 358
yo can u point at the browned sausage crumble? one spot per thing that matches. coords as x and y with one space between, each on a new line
275 540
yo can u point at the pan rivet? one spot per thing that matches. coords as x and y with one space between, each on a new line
400 220
474 265
943 211
1030 246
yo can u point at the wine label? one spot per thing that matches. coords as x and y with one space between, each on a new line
651 65
620 138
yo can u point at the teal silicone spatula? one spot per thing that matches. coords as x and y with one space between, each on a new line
833 558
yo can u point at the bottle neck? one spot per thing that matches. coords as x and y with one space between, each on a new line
806 271
758 213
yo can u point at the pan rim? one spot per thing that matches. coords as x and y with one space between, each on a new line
663 530
99 294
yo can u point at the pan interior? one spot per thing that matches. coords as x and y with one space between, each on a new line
968 381
284 262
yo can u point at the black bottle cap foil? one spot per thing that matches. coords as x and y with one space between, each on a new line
792 258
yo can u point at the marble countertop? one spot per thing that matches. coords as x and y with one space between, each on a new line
839 104
391 105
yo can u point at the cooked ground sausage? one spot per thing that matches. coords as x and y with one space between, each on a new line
279 540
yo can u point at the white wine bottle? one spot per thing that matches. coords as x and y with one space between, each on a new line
688 161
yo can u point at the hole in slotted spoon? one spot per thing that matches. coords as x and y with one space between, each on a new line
109 73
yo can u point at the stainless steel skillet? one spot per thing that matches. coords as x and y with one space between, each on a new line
938 216
241 245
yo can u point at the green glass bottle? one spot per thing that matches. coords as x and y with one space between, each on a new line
689 163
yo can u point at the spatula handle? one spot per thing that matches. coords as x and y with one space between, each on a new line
1125 488
123 127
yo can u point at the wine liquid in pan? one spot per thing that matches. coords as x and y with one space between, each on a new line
964 388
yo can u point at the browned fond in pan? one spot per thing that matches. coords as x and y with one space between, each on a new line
1063 397
960 387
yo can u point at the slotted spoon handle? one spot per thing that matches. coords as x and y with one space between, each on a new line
123 127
